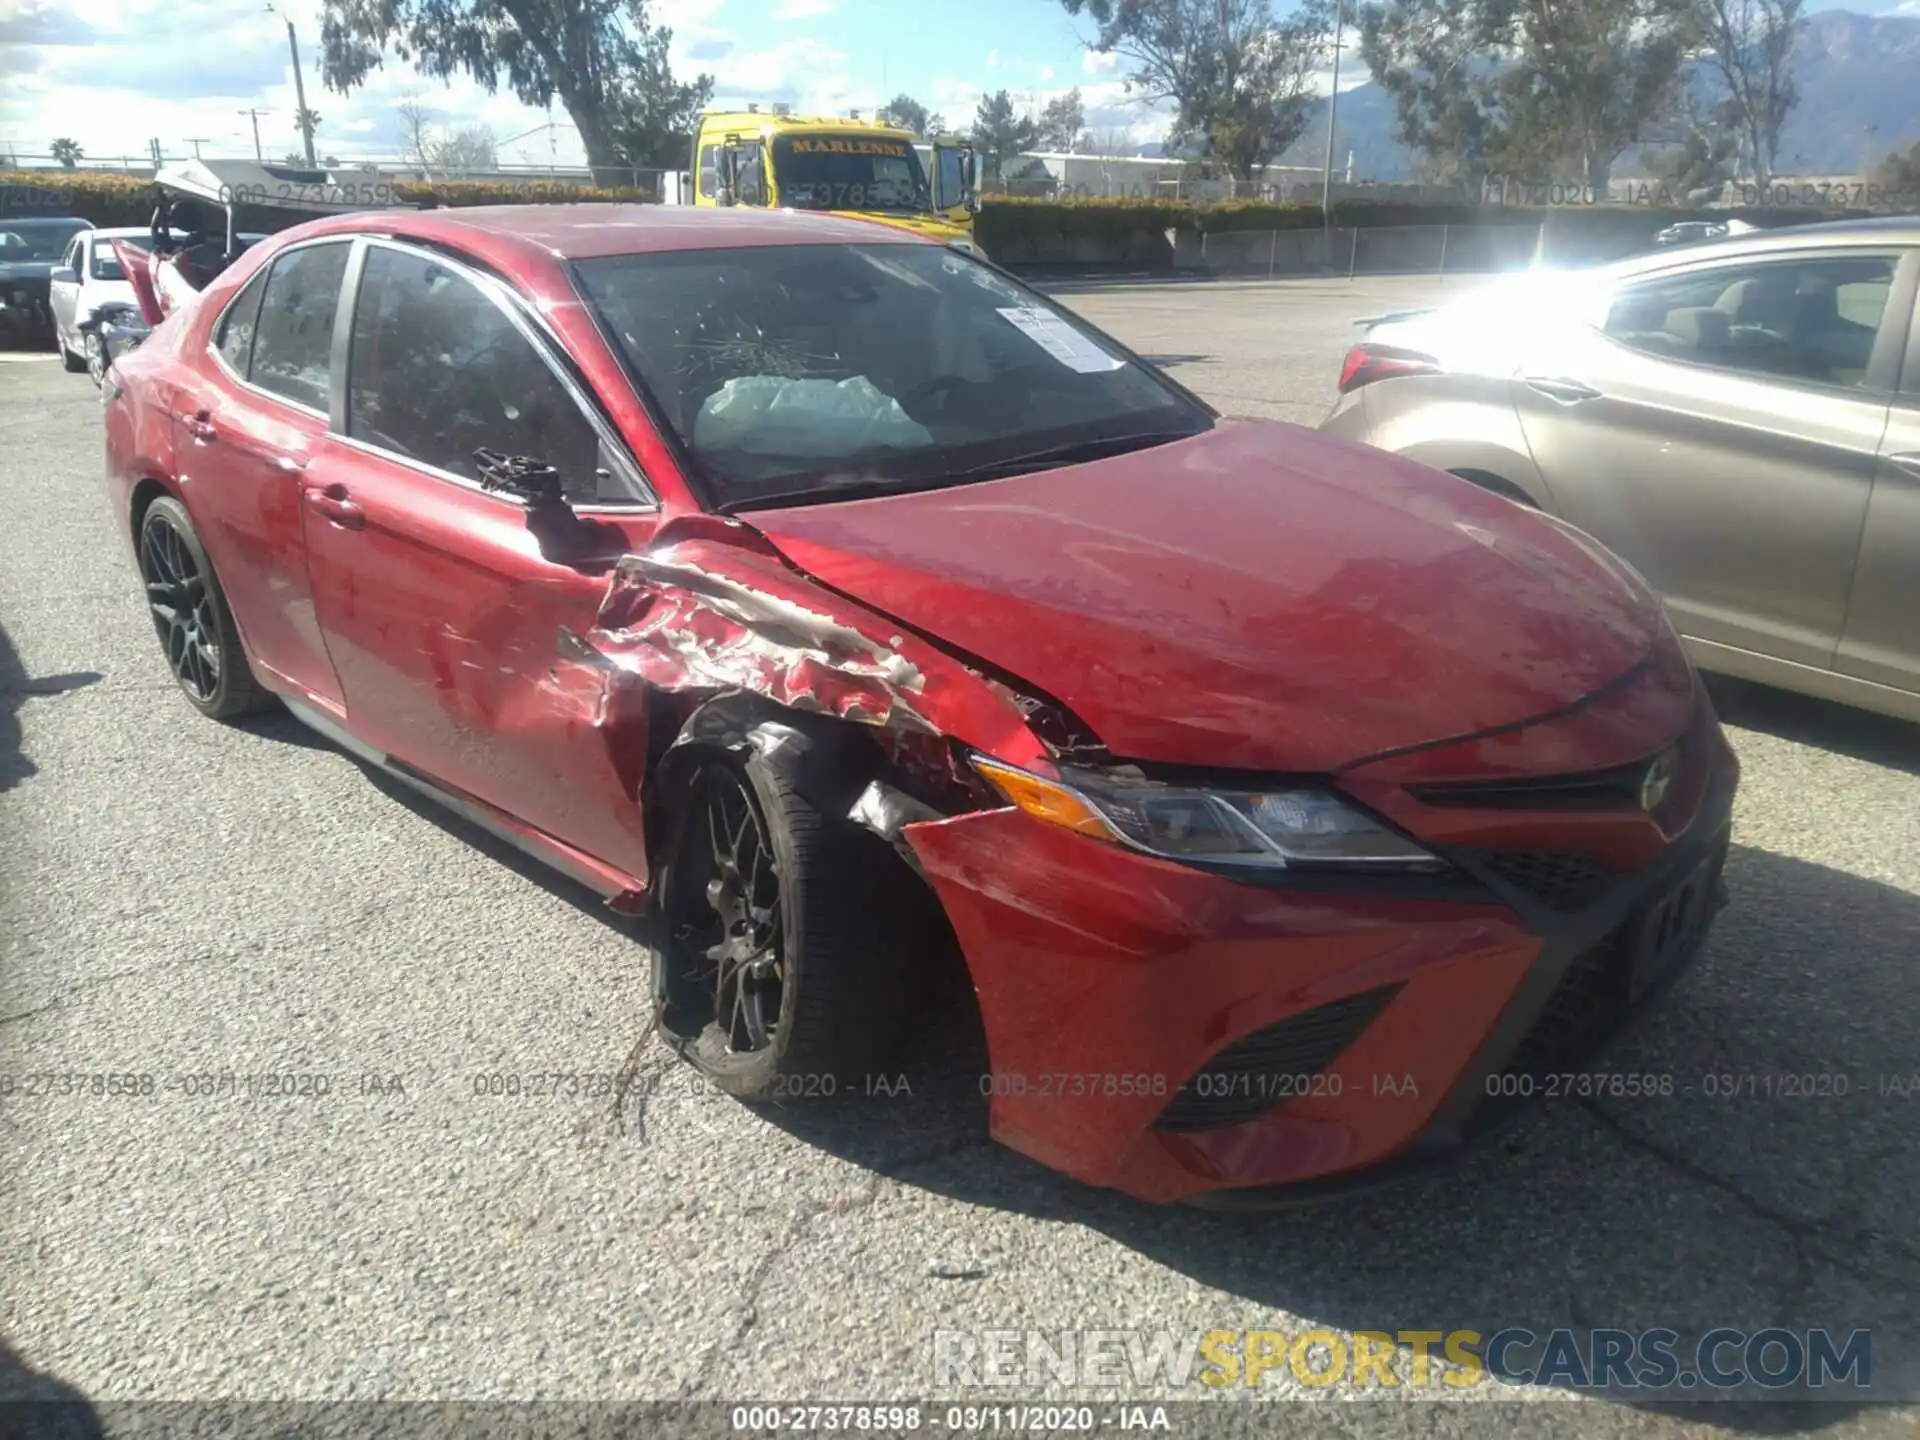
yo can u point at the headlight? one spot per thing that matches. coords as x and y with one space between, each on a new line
1263 829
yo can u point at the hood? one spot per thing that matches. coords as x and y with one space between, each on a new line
26 272
931 226
1258 597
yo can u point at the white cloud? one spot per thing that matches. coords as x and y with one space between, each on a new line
1095 63
993 59
790 10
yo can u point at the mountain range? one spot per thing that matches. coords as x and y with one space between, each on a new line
1858 101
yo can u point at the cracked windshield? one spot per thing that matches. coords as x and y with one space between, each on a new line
986 718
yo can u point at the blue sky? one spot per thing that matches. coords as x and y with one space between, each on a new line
112 73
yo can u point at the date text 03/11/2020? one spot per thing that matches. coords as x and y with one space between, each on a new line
962 1419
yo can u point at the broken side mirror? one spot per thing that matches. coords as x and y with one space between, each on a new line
970 179
564 536
727 183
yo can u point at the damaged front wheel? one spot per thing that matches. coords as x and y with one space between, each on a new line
771 971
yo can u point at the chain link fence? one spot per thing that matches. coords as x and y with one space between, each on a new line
1370 250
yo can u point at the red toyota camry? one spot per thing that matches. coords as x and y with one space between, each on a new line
1297 810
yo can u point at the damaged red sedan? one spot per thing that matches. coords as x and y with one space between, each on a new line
1296 810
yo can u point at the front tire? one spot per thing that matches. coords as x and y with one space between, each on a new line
95 360
190 615
773 974
74 363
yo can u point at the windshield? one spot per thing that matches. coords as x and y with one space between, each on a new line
25 243
801 371
849 172
103 265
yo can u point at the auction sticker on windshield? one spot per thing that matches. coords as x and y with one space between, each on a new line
1060 340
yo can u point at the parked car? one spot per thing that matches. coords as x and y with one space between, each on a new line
821 591
89 278
30 246
1693 232
1740 422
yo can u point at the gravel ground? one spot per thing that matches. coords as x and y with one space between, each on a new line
183 898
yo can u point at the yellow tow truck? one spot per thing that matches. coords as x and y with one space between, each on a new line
836 163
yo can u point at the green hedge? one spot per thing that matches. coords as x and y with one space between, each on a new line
110 199
1093 233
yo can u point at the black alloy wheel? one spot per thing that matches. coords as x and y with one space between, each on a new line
725 922
190 615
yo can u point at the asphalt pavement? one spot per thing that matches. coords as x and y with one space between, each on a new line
199 904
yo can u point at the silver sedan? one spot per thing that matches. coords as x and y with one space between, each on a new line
1739 420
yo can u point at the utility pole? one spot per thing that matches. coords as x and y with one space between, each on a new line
303 117
196 144
258 154
1333 109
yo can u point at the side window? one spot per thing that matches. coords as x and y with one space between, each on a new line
234 338
72 258
1814 319
293 338
437 371
753 174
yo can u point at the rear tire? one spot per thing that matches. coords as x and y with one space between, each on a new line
190 615
762 876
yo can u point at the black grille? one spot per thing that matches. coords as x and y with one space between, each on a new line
1566 882
1615 789
1272 1066
1587 1005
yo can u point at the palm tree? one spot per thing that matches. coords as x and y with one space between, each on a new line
67 152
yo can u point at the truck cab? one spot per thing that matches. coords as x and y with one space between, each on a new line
839 164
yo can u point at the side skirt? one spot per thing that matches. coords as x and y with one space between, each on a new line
622 893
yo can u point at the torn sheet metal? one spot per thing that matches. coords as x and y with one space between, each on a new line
707 615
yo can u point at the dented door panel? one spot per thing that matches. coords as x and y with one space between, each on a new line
445 622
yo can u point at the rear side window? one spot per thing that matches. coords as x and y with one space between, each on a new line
1814 320
293 339
438 370
235 335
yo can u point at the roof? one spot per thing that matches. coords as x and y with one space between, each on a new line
588 231
1873 230
21 222
764 121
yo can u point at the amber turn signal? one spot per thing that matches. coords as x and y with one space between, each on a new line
1043 799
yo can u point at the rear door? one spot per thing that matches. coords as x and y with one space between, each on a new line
1882 639
248 424
442 610
1721 430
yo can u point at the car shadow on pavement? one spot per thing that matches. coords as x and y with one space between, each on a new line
1822 724
16 688
36 1406
1774 1187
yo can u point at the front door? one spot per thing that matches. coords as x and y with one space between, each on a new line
442 610
246 434
63 294
1721 433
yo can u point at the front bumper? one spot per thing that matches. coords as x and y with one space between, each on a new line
1342 1031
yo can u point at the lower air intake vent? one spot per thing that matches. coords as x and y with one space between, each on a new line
1266 1069
1566 882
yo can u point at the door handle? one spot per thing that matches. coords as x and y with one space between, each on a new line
200 426
332 502
1567 392
1909 463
